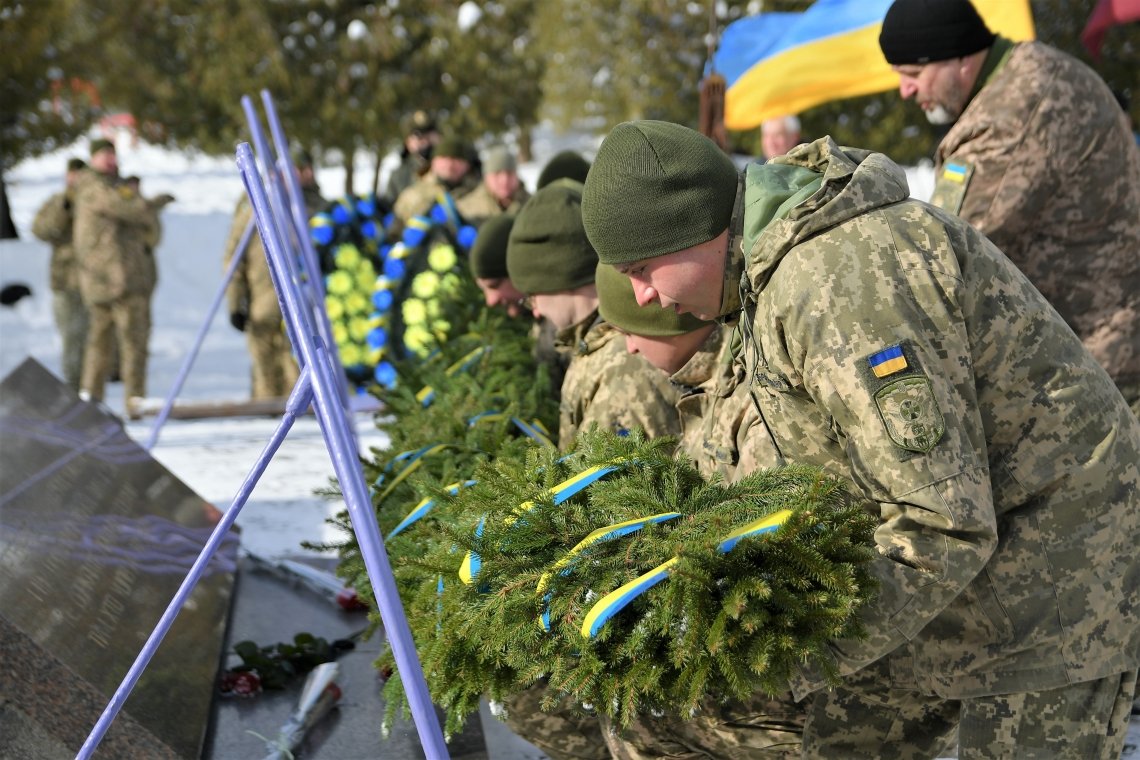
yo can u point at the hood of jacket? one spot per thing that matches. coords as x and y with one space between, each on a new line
852 182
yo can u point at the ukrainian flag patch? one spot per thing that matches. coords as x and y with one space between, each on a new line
888 361
954 172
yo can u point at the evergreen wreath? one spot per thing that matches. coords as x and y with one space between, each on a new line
720 622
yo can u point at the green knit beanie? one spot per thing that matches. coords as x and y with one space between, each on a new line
453 146
564 165
618 306
656 188
101 143
489 254
548 250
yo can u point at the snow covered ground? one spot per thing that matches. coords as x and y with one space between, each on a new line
213 456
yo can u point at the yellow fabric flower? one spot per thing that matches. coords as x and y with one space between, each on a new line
414 311
338 283
425 285
442 258
347 256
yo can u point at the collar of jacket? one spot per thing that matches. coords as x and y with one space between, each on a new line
853 182
733 258
702 365
583 337
994 63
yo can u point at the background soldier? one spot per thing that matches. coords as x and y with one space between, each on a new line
420 138
778 135
254 308
450 173
1040 158
53 224
890 342
113 276
501 192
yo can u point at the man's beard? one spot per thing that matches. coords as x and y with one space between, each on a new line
940 116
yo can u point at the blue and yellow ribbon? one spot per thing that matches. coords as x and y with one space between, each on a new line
425 506
601 535
414 459
426 394
615 601
560 493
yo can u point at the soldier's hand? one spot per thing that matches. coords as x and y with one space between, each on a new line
238 320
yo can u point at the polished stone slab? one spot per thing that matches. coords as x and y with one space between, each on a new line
95 539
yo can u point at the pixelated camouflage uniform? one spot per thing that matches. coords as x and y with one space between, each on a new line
608 385
1044 163
479 205
715 423
53 224
1004 463
418 199
273 370
114 277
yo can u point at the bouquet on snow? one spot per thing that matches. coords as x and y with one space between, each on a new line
627 580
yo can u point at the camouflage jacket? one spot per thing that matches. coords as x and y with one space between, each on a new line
412 165
108 237
479 205
895 346
612 387
721 428
1043 162
251 290
418 199
53 224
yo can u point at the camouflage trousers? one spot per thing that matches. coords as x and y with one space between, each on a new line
866 718
764 727
563 734
129 318
274 370
71 321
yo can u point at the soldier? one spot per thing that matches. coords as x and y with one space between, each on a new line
564 165
1040 158
697 359
53 224
450 172
489 265
420 138
253 304
501 192
889 342
550 259
113 276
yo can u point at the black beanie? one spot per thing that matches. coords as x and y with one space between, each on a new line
922 31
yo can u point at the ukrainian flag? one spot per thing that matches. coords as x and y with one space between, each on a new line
784 63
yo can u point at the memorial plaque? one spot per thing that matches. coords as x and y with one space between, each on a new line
95 539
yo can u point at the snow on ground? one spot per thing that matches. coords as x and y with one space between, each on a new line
214 456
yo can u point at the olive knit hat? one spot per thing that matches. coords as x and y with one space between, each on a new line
489 253
453 146
921 31
548 251
618 306
498 158
564 165
656 188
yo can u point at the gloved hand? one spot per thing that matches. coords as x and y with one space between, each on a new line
238 319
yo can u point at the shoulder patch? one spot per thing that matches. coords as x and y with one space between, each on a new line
904 398
951 184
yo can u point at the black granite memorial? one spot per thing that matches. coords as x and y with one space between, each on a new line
95 539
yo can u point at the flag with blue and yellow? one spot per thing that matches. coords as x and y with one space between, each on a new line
777 64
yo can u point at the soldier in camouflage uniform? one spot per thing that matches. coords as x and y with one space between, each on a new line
1041 159
501 192
450 173
420 138
53 224
488 260
695 356
892 344
254 308
110 219
549 257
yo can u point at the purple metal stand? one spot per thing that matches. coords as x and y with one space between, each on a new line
319 384
192 354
